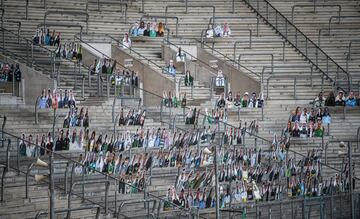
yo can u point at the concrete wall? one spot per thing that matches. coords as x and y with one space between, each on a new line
33 81
154 82
104 48
239 81
88 57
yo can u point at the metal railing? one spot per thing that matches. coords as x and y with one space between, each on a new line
301 207
287 67
237 19
107 185
301 43
74 13
259 54
339 18
131 50
226 58
358 138
59 211
348 58
191 6
145 201
3 129
295 77
6 167
166 17
328 31
312 6
107 176
206 63
18 26
51 24
121 3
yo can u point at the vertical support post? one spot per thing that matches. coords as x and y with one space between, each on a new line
107 185
186 6
66 178
18 156
233 6
216 184
82 185
107 86
51 175
303 209
98 84
116 190
267 11
295 84
83 87
27 53
351 181
26 9
32 55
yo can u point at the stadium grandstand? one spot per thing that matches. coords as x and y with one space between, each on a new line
180 109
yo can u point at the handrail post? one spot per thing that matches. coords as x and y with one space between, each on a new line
107 86
17 156
83 87
36 110
295 84
233 6
26 9
51 183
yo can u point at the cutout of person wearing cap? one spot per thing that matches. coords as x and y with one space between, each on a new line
340 99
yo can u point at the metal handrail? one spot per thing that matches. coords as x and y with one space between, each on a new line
312 6
15 22
172 126
327 29
137 53
295 77
120 2
166 17
53 24
97 216
286 67
62 156
68 13
239 18
107 185
193 57
353 41
5 167
259 54
226 58
3 128
29 42
191 6
284 34
358 138
293 203
145 201
339 18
